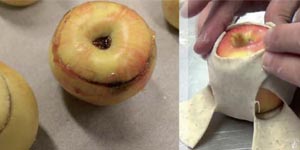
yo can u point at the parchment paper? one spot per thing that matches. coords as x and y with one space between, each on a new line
147 121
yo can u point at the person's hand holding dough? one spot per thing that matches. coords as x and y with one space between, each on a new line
282 42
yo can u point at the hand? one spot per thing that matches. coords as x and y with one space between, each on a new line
216 15
282 56
283 52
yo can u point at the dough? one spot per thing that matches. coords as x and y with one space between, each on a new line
234 85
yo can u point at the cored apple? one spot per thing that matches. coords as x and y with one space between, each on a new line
244 41
103 52
171 12
19 3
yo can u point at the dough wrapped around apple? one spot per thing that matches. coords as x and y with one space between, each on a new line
240 88
103 52
18 111
19 3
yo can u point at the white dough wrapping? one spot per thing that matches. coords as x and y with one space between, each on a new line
234 85
277 133
195 116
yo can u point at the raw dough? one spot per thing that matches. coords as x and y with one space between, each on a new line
234 85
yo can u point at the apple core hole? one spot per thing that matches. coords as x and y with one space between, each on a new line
103 43
267 101
241 39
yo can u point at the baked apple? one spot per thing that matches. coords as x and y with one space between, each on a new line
171 12
103 52
19 113
244 41
19 2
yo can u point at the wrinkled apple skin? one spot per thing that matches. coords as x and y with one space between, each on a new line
84 70
171 12
20 129
19 3
268 101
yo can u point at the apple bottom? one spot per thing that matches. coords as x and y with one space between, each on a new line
98 94
268 101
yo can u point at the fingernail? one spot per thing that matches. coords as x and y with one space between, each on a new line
267 39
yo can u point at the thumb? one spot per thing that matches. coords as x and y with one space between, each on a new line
284 66
284 38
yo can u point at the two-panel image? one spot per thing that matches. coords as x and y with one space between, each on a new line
149 75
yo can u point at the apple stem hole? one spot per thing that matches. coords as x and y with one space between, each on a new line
103 43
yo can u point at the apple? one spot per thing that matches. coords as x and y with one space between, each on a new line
102 52
244 41
19 113
171 12
19 3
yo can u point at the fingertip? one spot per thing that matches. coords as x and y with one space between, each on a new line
267 39
197 48
202 45
272 63
267 60
268 17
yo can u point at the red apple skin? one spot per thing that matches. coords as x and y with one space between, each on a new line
227 49
232 48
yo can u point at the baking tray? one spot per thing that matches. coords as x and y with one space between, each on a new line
147 121
224 133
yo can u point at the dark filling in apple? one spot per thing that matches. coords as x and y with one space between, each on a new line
116 84
102 43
